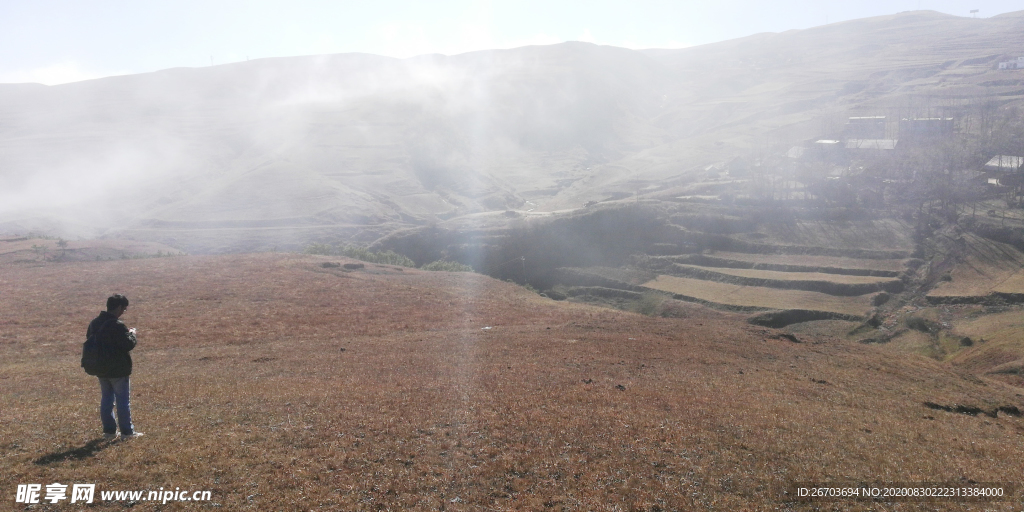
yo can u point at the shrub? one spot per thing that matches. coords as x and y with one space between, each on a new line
358 253
649 303
392 258
447 266
919 323
321 249
388 257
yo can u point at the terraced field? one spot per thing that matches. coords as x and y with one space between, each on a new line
980 268
999 355
758 296
832 269
774 275
34 250
877 235
837 262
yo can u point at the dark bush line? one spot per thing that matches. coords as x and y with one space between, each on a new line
711 261
992 299
698 241
777 319
971 410
578 277
719 305
599 291
838 289
987 300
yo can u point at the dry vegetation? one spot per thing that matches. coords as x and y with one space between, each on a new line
1001 354
759 296
983 266
793 276
27 250
1013 284
882 234
893 265
281 385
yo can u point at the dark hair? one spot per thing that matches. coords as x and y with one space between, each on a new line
115 301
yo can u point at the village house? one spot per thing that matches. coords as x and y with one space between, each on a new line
926 127
1012 64
1001 167
868 127
871 144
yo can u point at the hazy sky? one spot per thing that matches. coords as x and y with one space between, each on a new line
58 41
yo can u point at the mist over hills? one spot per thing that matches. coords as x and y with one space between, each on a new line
364 145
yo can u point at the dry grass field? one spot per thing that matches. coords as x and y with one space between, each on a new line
986 266
1013 284
759 296
26 250
1001 355
812 261
278 384
881 234
794 276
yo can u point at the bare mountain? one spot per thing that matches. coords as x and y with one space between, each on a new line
283 150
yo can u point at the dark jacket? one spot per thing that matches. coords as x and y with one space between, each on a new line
118 342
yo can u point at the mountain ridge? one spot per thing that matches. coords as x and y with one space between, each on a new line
386 143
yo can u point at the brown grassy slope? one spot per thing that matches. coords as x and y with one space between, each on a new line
811 261
1002 353
981 267
881 234
280 385
760 296
24 250
792 276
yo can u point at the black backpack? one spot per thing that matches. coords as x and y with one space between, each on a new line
96 355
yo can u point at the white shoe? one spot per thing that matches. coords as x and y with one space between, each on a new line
132 436
110 437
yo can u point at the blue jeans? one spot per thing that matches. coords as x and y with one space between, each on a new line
116 391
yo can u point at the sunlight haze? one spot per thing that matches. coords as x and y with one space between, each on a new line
53 42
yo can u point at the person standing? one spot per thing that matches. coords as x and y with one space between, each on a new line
118 341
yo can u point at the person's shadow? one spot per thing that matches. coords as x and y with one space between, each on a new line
85 451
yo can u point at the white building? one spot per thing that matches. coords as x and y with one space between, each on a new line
1012 64
1001 166
881 144
1005 163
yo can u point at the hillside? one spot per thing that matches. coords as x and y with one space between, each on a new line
278 383
256 154
32 251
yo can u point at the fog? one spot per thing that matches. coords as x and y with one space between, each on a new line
357 140
294 138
